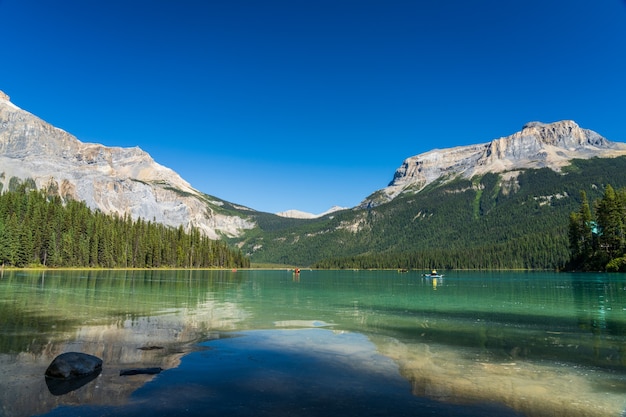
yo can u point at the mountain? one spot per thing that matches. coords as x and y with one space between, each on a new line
537 145
111 179
501 204
297 214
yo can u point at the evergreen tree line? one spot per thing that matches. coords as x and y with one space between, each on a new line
538 252
41 230
597 237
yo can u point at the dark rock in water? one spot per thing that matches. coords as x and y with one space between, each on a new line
63 386
73 365
138 371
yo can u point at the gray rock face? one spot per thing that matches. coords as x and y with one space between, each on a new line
73 365
537 145
126 181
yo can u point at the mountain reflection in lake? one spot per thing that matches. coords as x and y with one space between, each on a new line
543 344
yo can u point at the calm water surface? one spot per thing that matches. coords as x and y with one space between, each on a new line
321 343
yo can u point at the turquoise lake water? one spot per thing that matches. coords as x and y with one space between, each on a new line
318 343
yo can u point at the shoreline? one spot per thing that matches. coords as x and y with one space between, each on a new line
268 268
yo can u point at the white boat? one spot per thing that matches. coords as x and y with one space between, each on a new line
433 274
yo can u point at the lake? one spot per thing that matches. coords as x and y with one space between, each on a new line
320 343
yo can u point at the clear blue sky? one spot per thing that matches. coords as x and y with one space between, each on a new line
305 104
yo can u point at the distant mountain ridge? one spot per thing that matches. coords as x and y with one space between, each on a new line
297 214
111 179
537 145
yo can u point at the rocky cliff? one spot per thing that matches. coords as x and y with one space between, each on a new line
537 145
111 179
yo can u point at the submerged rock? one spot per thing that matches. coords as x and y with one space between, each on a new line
73 365
58 386
139 371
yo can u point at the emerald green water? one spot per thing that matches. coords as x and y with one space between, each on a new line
541 343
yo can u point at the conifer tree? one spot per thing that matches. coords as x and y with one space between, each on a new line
581 232
599 244
611 223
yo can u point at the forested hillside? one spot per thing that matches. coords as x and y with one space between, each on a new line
39 230
504 220
495 221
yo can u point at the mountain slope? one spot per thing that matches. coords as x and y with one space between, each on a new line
488 222
501 204
537 145
111 179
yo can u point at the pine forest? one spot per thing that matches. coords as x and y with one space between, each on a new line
40 230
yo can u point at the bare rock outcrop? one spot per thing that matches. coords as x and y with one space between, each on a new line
537 145
126 181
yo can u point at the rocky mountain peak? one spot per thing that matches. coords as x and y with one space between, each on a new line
537 145
6 100
540 145
565 133
110 179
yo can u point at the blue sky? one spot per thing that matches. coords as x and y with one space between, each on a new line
305 104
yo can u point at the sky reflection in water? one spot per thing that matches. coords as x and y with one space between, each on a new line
541 343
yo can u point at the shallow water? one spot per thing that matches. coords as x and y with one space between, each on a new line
541 344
